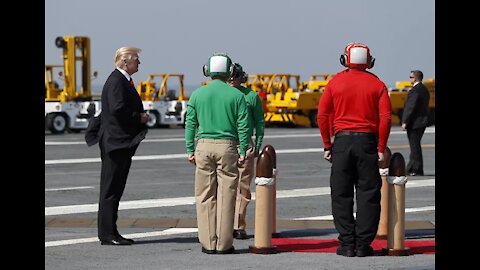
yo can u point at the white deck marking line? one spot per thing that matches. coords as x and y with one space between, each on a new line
174 231
89 160
68 188
138 204
155 203
172 156
171 231
407 210
428 130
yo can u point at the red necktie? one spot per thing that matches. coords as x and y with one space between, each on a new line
131 82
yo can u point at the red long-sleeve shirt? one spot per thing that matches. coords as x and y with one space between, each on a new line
359 102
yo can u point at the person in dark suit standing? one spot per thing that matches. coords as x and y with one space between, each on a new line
122 128
415 120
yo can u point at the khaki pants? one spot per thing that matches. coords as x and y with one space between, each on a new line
216 181
246 173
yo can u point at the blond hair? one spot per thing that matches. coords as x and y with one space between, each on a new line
125 53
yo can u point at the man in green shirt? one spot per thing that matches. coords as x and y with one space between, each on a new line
246 171
217 118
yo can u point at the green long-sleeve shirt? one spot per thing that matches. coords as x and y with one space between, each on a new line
216 111
256 120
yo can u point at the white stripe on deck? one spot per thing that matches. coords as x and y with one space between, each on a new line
171 231
170 156
407 210
68 188
299 135
155 203
175 231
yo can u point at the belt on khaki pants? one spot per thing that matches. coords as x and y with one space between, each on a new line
218 141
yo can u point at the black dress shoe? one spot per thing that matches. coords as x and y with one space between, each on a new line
228 251
126 239
346 251
240 234
365 251
209 251
116 242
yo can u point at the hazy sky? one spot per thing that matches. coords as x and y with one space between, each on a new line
276 36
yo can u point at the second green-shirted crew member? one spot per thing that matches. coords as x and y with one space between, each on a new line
256 123
217 117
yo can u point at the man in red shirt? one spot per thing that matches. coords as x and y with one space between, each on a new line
360 106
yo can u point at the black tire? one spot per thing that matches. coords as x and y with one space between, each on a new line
153 119
60 42
57 123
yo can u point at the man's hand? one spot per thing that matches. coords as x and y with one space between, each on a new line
241 160
143 118
191 159
404 126
327 155
381 157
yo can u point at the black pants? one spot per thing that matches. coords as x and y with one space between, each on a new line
355 166
415 162
113 178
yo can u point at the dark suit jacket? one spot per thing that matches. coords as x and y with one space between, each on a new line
93 129
415 113
118 125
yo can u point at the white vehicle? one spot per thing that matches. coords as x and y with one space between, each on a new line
71 115
71 105
163 105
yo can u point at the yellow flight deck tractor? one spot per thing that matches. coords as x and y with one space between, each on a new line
163 105
318 82
260 82
68 100
398 96
296 106
267 84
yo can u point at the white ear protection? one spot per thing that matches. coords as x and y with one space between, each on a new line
218 64
357 55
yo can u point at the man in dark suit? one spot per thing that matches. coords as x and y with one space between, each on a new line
415 120
119 131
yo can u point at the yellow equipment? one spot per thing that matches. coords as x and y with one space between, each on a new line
398 96
268 84
163 105
286 100
53 92
318 82
263 82
70 107
296 106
